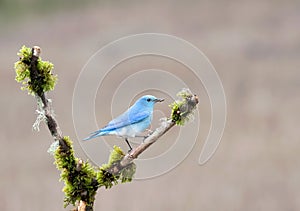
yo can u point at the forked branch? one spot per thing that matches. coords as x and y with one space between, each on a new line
82 179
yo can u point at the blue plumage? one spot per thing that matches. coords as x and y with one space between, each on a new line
132 122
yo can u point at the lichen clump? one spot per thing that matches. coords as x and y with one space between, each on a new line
44 81
183 110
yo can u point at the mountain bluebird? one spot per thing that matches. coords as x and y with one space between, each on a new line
132 122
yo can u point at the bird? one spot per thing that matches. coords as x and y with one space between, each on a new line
132 122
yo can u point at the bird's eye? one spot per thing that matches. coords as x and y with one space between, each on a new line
148 99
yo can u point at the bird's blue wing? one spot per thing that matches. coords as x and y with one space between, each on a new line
128 118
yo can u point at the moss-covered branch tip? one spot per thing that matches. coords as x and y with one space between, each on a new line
183 109
35 82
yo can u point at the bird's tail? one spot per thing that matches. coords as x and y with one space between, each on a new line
95 134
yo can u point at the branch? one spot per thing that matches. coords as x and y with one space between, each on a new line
65 148
81 179
51 122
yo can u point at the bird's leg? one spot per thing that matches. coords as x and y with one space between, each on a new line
130 148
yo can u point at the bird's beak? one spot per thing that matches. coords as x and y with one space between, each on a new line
158 100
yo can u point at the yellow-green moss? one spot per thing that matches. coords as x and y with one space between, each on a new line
79 177
45 80
182 110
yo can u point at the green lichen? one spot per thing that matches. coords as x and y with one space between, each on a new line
107 179
182 110
44 80
79 177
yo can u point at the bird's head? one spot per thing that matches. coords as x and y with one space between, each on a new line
148 101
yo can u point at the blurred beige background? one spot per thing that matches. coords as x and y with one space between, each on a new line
255 48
